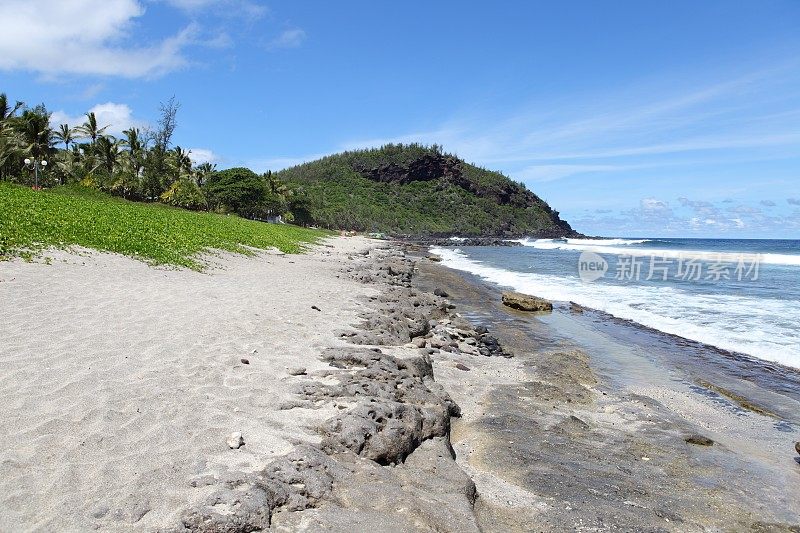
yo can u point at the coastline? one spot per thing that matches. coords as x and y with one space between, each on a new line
595 433
368 403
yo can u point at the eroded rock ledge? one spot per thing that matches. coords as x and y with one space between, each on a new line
385 462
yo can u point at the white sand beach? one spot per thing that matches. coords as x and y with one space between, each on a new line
121 382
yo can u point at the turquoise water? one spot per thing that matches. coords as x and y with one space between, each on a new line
738 295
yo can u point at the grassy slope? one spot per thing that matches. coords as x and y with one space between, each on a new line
31 221
343 198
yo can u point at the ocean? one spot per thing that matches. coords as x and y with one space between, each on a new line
740 295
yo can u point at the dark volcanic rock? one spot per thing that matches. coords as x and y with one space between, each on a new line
526 302
399 405
699 440
426 168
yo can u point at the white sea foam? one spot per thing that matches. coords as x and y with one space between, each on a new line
761 327
607 242
612 246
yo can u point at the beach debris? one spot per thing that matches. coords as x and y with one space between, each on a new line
441 292
699 440
315 308
297 371
245 361
462 367
526 302
235 440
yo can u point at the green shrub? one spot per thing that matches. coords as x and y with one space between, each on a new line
238 190
184 193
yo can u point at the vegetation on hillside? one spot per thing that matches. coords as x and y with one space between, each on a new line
397 189
418 190
75 215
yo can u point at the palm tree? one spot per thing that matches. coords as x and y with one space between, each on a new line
182 161
10 141
202 171
10 149
133 140
90 128
108 150
64 134
37 136
6 111
276 186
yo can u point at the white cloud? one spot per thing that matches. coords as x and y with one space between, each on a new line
291 38
202 155
55 37
653 204
118 117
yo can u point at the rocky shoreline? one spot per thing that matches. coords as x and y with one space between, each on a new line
389 448
439 428
588 436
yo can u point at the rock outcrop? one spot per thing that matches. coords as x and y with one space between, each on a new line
392 413
426 168
526 302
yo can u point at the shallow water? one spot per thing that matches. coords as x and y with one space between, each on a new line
738 295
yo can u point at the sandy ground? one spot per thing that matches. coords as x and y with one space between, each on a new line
121 382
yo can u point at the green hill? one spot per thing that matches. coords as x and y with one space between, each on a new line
419 191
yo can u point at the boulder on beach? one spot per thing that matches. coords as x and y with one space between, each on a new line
699 440
526 302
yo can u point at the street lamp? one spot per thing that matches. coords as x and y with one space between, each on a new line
33 164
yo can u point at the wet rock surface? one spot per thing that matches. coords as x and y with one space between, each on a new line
562 450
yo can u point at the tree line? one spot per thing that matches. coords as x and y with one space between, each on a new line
140 165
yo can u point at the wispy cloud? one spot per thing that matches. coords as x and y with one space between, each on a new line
291 38
629 129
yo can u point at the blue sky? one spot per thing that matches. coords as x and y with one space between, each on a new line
637 118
